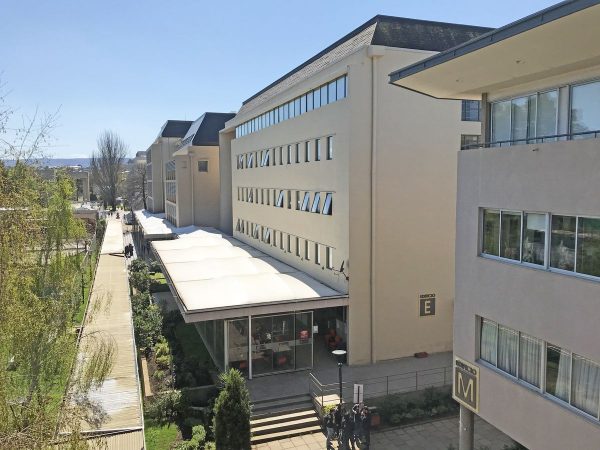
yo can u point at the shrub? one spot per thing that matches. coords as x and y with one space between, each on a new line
147 326
231 422
163 361
197 440
165 407
154 266
140 302
138 265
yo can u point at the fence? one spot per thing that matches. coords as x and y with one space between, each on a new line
324 394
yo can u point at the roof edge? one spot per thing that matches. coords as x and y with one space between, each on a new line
512 29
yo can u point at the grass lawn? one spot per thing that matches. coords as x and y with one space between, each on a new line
158 277
160 437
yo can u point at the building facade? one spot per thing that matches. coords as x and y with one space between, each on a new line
528 227
158 156
350 180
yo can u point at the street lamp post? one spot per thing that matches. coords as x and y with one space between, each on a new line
339 355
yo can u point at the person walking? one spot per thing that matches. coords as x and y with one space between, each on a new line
356 413
365 418
348 432
328 421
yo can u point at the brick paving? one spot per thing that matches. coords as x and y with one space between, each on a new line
437 435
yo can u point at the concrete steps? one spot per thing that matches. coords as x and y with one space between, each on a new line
283 417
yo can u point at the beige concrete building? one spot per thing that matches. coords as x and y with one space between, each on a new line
526 316
351 181
157 156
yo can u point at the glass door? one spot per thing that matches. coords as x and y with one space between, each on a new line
304 340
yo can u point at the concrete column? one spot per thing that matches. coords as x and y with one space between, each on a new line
465 432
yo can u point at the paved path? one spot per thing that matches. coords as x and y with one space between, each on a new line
437 435
119 396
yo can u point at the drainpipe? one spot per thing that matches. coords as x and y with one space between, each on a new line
192 183
373 52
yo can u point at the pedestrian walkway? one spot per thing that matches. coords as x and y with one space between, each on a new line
437 435
118 398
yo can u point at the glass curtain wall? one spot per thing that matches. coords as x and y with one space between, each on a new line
212 334
281 343
237 344
585 109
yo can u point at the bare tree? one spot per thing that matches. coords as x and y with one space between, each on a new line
136 186
107 165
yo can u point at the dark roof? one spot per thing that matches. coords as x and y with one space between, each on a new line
527 23
205 130
175 128
398 32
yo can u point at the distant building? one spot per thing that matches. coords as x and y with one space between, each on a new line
80 176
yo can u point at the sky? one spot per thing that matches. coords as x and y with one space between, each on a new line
128 66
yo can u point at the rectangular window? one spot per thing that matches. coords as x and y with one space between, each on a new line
307 151
317 149
289 199
558 372
508 349
240 164
267 236
305 201
297 246
331 92
298 200
303 104
307 250
279 203
268 196
534 238
262 196
329 257
251 195
562 245
547 113
297 111
289 154
309 101
530 359
328 204
250 160
585 109
330 147
297 153
317 254
274 241
470 110
280 156
510 235
491 232
281 238
341 87
315 204
468 141
488 348
585 389
266 157
317 98
588 246
501 121
324 95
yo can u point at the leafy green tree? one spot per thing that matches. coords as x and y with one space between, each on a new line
231 421
39 297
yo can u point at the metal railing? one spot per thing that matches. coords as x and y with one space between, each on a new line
322 394
536 140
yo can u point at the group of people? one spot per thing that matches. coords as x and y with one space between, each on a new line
349 427
129 250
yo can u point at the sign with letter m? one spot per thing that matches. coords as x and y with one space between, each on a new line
466 384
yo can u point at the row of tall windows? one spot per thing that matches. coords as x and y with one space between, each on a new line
311 150
566 243
307 201
170 171
304 249
327 93
171 191
528 118
546 367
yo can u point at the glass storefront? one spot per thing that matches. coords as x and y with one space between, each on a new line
282 342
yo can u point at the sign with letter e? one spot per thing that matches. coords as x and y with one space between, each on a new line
466 384
426 305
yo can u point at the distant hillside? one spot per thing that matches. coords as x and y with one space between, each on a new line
57 162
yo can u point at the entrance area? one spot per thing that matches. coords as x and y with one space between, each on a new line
270 344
